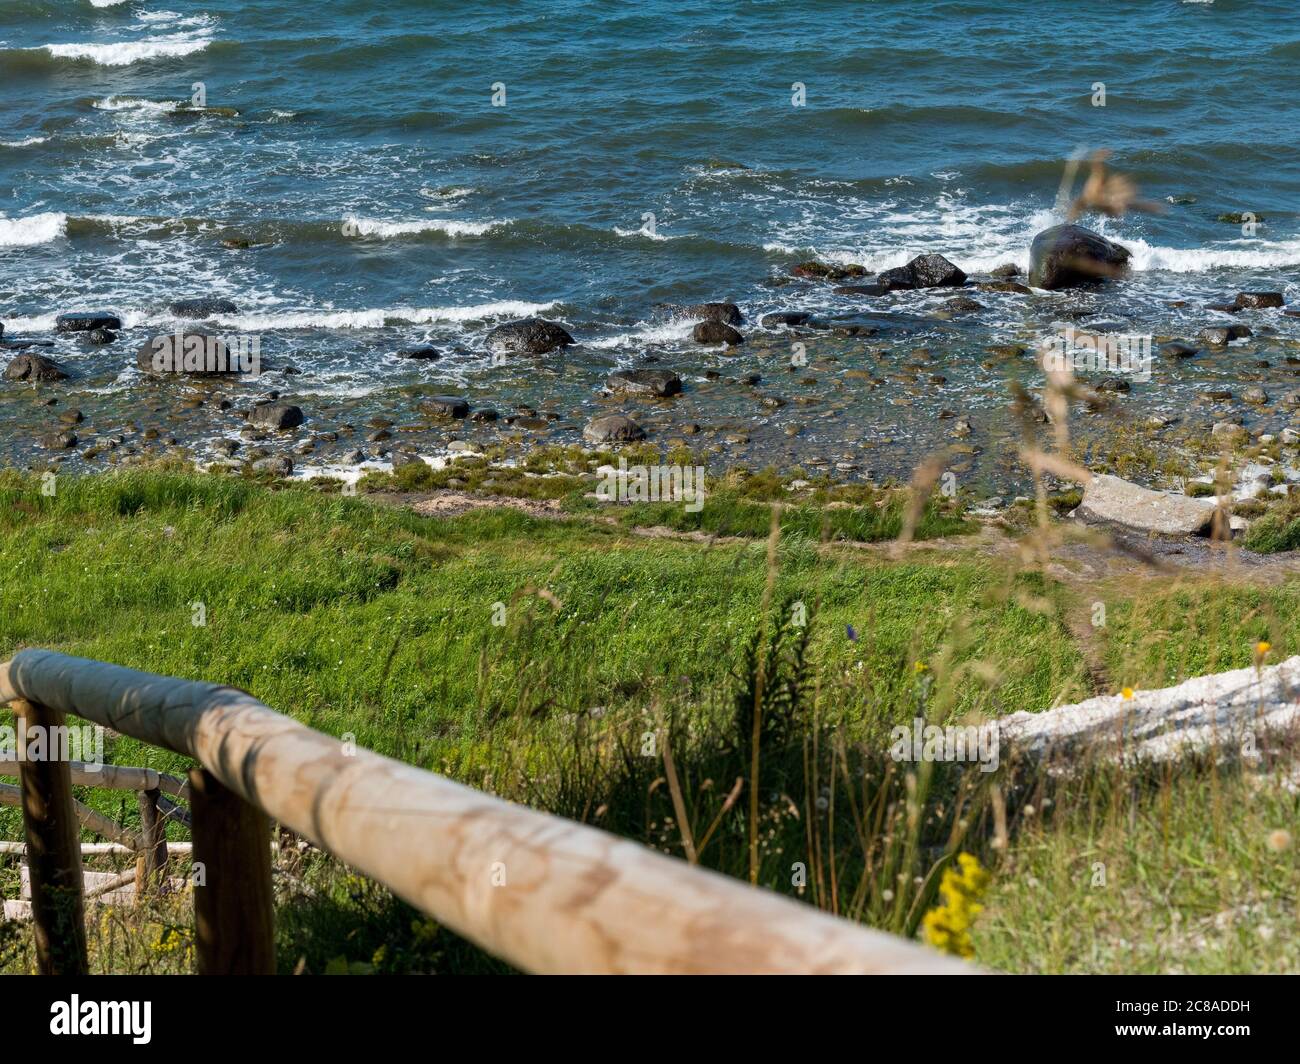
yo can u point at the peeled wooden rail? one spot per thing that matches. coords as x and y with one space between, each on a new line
543 893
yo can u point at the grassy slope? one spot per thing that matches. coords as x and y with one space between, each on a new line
375 622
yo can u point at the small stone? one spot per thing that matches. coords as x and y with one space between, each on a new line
657 382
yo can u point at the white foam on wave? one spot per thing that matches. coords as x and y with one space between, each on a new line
27 143
106 3
1237 254
124 53
269 320
353 226
457 192
658 332
646 233
32 230
378 318
134 103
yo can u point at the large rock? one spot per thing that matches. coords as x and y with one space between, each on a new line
656 382
531 336
613 428
716 332
192 353
1066 256
727 313
84 322
444 406
275 416
791 318
34 368
1258 300
206 307
1119 502
420 354
1218 335
924 271
280 465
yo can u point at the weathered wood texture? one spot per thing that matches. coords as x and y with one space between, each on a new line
545 894
233 903
53 853
151 864
112 777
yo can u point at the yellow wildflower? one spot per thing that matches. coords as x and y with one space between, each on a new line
947 926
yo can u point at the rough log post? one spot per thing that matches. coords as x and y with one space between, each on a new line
235 931
53 848
151 865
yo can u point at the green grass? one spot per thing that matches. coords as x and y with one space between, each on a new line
370 620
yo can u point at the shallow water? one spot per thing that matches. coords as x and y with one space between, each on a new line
390 203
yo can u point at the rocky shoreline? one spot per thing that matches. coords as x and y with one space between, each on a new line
822 375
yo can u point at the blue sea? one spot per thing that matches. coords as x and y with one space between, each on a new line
394 173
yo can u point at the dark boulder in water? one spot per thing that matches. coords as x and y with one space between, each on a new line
924 271
1259 300
66 323
34 368
420 354
821 271
613 428
192 353
275 416
101 336
1068 255
59 441
1219 335
202 308
715 332
531 336
960 305
444 406
1178 349
1009 269
727 313
785 317
657 382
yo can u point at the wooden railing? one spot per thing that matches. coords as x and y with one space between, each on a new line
543 893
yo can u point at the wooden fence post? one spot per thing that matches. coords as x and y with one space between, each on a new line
53 846
233 917
151 865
